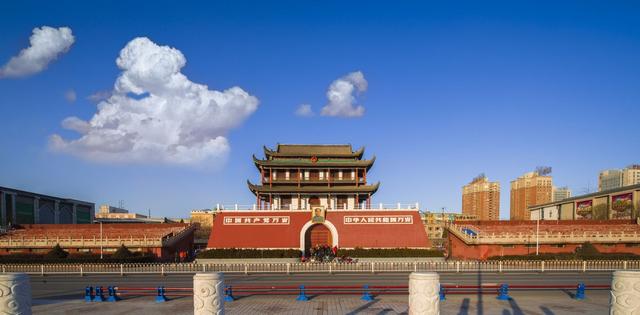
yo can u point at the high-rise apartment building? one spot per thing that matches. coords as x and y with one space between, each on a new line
561 193
530 189
481 198
612 179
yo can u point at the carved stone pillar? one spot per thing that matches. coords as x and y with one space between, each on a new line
424 290
208 293
625 293
15 294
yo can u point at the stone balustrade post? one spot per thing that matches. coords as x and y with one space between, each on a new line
208 293
15 294
424 289
625 293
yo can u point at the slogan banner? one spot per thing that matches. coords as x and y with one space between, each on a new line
584 209
256 220
378 219
622 206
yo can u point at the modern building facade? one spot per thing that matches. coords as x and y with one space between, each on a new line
612 179
23 207
528 190
115 213
561 193
614 204
299 176
481 198
203 220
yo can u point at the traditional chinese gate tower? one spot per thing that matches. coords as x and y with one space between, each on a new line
316 195
296 176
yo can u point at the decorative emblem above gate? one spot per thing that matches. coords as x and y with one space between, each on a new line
314 159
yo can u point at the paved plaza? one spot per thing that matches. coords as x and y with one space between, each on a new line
542 302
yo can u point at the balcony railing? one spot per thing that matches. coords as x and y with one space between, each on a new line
363 206
472 235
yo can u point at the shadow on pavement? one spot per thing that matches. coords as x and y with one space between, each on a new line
464 307
480 305
362 308
546 310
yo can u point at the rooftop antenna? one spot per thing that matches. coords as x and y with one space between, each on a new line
588 189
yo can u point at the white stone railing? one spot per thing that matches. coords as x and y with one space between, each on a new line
18 242
543 237
378 206
329 268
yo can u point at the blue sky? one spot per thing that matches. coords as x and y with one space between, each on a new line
453 90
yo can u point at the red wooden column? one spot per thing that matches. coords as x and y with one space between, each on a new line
258 200
328 177
365 175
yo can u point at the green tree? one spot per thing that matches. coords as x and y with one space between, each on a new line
122 253
57 253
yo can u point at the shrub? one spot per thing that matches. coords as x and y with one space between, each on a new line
122 253
585 252
390 252
249 253
57 253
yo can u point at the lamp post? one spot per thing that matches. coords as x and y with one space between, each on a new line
100 239
537 236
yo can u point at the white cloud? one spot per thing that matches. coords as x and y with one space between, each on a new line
99 96
46 44
304 110
70 96
342 96
156 114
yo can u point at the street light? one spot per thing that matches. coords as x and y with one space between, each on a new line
100 239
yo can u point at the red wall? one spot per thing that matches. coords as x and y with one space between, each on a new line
288 236
460 250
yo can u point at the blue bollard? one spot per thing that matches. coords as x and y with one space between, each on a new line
366 296
160 298
228 294
302 296
98 297
580 291
112 294
503 292
88 292
442 293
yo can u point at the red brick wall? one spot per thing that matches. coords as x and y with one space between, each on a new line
288 236
460 250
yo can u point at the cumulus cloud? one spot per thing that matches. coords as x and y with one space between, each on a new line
70 96
99 96
46 45
156 114
304 110
342 96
